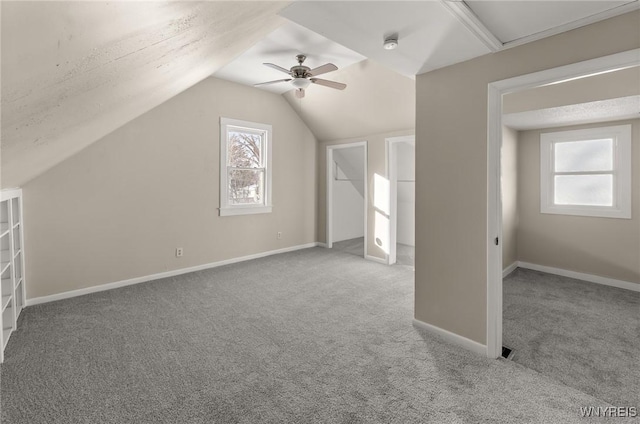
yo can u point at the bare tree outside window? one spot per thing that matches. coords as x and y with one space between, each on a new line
246 167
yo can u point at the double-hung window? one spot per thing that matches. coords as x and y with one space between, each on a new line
586 172
245 167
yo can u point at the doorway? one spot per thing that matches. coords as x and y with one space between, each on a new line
347 198
494 204
401 167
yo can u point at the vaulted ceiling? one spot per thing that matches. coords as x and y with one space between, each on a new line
73 71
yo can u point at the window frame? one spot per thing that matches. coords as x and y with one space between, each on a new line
226 208
621 135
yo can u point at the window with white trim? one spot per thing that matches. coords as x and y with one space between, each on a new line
245 167
586 172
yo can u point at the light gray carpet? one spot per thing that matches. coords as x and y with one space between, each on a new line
352 246
303 337
405 254
583 334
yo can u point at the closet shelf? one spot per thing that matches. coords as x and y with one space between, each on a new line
12 285
5 301
6 332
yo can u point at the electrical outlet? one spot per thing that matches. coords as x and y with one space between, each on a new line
179 252
279 235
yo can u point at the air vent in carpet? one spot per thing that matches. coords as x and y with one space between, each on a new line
507 352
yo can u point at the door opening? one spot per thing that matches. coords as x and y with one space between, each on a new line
402 182
347 197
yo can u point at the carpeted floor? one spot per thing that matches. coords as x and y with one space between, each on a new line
585 335
352 246
404 253
310 336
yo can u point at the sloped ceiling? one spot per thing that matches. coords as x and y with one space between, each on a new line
376 100
281 48
74 71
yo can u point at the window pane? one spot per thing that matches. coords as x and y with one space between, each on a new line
588 155
245 149
589 190
246 187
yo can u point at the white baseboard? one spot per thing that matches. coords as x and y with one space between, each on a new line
376 259
320 244
137 280
508 270
453 338
582 276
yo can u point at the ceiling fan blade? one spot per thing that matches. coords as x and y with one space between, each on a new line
327 67
300 93
327 83
278 68
272 82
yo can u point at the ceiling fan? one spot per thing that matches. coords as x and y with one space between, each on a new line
302 76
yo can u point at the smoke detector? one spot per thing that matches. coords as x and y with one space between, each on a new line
390 43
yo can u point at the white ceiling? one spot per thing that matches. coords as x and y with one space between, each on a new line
590 112
514 20
281 47
433 34
376 100
430 36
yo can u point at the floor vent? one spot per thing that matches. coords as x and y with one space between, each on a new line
507 352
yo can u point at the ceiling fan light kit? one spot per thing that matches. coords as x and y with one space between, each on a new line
302 76
300 82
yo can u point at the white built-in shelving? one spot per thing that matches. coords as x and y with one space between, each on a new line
12 284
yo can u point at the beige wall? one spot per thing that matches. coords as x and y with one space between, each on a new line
451 148
118 209
376 164
605 247
509 182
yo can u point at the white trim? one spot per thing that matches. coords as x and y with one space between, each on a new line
494 226
619 10
320 244
376 259
621 136
612 282
496 90
137 280
508 270
225 208
244 210
469 19
450 337
329 190
10 193
392 175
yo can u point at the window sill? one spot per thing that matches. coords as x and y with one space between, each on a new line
244 210
587 211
